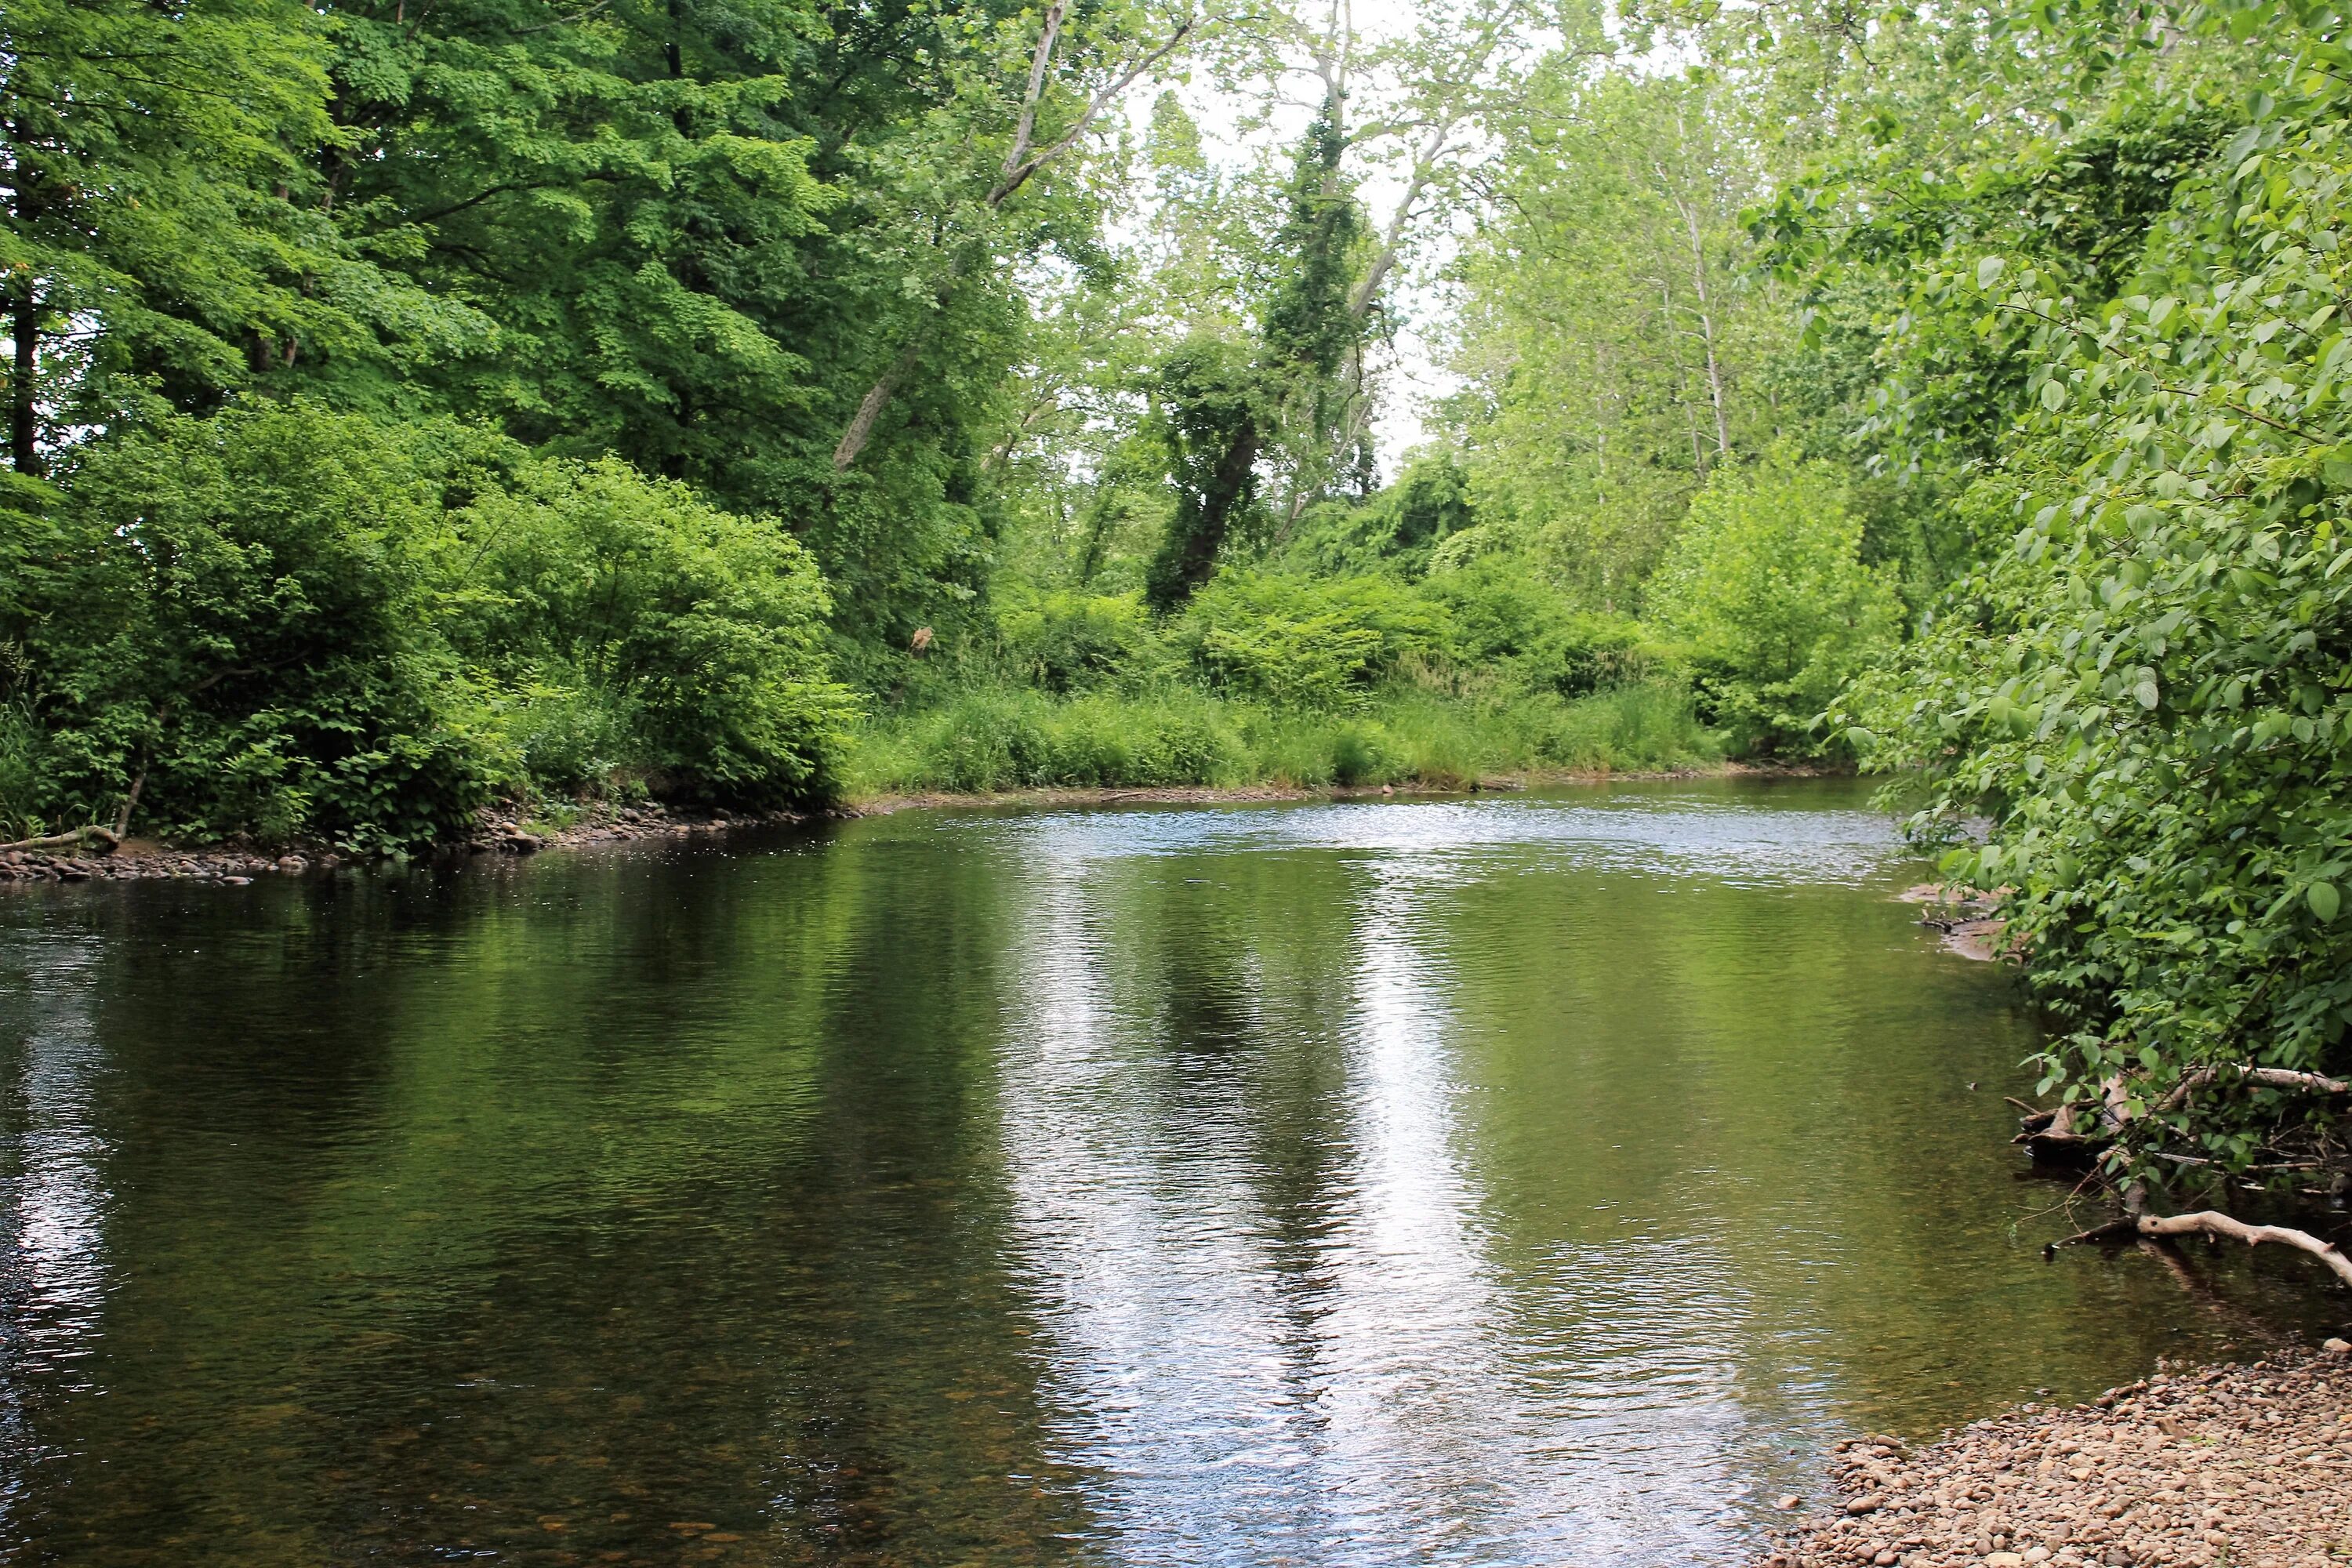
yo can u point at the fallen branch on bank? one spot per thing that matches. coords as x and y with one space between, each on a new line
66 840
2058 1135
2262 1078
2210 1223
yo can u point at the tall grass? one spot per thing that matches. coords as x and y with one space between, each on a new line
983 739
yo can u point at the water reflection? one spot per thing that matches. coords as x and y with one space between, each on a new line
1357 1376
1523 1181
53 1268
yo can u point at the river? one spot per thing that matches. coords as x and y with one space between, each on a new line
1532 1180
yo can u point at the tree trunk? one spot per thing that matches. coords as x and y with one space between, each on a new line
24 390
877 398
1196 562
1021 164
2213 1223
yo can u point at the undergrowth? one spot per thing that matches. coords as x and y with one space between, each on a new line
986 739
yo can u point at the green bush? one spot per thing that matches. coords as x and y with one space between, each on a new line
686 641
237 615
1766 591
2149 690
1302 642
1064 642
1395 531
1502 618
284 623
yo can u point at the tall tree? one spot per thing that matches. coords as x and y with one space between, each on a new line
1614 339
163 234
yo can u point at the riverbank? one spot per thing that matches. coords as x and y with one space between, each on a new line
1242 794
135 861
234 864
2230 1467
984 740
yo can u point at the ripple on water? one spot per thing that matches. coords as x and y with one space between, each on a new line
1522 1180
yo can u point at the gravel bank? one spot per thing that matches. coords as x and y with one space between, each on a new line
2231 1466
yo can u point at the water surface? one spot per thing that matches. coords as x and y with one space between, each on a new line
1533 1180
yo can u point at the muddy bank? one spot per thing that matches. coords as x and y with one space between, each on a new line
1178 795
1213 794
2232 1466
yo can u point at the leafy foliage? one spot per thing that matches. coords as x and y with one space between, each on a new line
283 622
1767 590
2145 684
1302 642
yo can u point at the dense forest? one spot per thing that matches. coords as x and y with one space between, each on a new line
422 406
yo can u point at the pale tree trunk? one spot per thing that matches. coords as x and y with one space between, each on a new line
1707 326
1020 163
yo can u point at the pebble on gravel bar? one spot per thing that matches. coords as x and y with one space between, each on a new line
2216 1468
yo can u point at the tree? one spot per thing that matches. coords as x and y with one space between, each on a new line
1612 338
1765 588
161 236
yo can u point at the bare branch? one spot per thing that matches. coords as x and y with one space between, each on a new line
2213 1222
1017 177
1027 125
2264 1077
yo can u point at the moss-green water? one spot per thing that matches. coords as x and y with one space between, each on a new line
1514 1181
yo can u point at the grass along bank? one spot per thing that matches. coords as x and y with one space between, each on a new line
986 741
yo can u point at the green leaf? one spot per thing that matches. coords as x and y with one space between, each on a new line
1989 271
2324 899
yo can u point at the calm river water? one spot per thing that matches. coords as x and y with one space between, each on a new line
1520 1181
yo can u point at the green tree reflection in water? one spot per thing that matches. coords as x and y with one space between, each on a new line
1352 1183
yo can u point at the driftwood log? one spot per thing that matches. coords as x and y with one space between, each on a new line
66 840
2261 1078
2212 1223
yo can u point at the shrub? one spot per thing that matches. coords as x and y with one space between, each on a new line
284 623
1766 591
1395 531
1064 642
237 615
1502 618
1299 642
2149 690
686 641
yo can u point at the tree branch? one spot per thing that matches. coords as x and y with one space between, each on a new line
1017 177
1027 125
1017 174
2265 1077
2210 1222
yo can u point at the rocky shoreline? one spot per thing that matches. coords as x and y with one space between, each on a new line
136 860
2229 1467
235 864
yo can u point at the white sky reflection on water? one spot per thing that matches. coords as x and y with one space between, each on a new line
53 1272
1660 835
1365 1388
